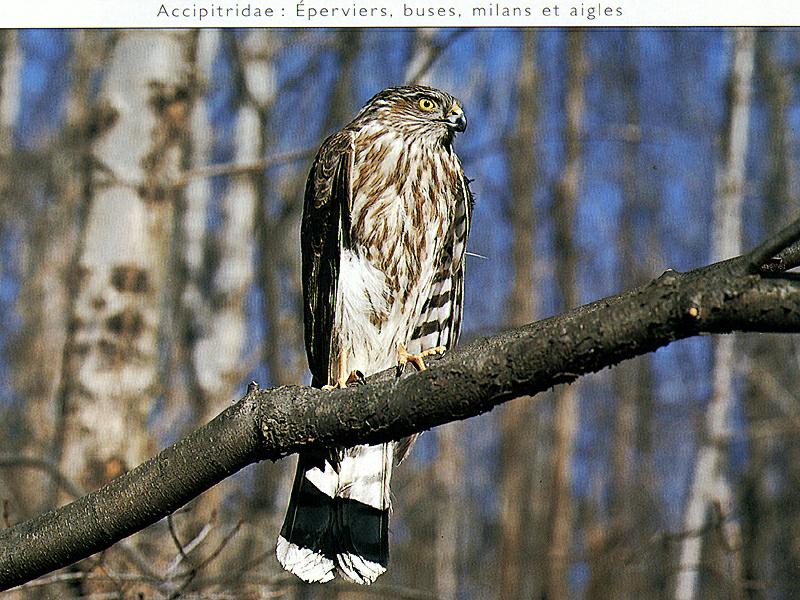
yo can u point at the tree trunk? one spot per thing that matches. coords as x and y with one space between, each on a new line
566 259
10 98
631 497
48 290
520 560
710 488
768 550
422 55
112 363
195 305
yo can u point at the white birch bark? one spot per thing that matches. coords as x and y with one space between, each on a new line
423 53
10 98
710 487
218 355
198 189
113 361
10 87
219 304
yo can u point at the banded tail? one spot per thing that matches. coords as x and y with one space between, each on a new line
338 520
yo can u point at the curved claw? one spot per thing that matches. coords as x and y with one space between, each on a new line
355 377
404 357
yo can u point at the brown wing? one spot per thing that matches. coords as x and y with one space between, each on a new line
324 231
440 319
461 225
440 323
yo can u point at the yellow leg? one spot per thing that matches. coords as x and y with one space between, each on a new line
343 376
417 360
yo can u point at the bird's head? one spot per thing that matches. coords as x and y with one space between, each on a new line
418 110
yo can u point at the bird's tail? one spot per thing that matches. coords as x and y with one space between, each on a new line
338 519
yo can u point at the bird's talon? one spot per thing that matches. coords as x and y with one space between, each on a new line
433 351
404 357
356 377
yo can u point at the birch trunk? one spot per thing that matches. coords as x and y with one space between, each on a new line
710 487
520 560
422 55
566 407
194 248
769 551
218 354
47 292
112 363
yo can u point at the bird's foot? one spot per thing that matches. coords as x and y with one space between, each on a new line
355 377
404 357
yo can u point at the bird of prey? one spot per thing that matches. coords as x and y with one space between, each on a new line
384 232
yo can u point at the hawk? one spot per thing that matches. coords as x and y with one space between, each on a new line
384 232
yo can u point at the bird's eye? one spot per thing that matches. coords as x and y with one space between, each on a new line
427 104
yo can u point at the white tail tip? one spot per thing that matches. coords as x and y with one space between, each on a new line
308 565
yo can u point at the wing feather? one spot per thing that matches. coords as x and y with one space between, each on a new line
446 329
467 201
324 232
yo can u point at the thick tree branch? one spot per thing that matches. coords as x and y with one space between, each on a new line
776 250
471 380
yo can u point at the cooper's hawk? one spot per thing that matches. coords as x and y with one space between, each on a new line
385 223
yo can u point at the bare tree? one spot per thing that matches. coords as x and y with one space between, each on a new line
422 56
726 296
47 293
519 421
710 489
566 258
194 306
111 370
10 97
768 553
617 570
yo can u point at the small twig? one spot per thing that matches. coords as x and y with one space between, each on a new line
111 575
768 250
436 50
178 544
786 259
68 577
243 168
29 462
222 545
192 573
186 550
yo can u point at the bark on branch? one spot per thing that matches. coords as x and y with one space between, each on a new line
742 294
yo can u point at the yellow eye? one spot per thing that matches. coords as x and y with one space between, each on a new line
427 104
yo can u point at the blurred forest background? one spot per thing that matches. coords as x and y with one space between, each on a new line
150 195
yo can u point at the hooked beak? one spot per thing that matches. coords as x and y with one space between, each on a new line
456 118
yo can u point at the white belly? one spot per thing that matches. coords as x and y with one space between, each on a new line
371 326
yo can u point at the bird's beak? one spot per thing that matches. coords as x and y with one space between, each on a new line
456 118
